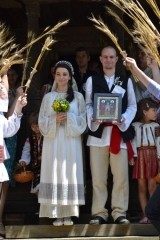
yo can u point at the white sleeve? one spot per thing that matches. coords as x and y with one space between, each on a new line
89 106
76 123
158 146
131 110
11 125
47 118
26 156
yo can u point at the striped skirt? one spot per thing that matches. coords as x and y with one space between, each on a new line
146 165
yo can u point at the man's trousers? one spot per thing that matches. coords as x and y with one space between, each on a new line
100 158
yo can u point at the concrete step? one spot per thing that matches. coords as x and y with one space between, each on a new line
83 231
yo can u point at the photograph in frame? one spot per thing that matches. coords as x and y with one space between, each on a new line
107 107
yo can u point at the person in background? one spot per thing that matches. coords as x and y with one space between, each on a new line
81 74
32 151
94 66
61 188
152 210
10 142
15 92
152 86
149 66
82 71
147 150
110 142
153 65
8 128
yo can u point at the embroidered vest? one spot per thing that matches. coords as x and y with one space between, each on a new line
35 151
99 85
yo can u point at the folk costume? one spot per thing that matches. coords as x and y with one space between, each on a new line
106 148
147 150
31 154
153 206
8 127
11 143
61 188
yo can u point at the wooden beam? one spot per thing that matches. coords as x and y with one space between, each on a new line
17 3
10 4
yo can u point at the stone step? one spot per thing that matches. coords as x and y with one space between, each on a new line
82 231
99 238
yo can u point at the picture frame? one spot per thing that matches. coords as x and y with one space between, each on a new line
107 107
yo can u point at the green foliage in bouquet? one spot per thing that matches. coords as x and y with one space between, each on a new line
60 105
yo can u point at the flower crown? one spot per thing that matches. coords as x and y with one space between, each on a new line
67 63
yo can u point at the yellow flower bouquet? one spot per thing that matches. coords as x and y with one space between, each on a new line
60 105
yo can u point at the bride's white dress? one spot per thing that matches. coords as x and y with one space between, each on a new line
61 184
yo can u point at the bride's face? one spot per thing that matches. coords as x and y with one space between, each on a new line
62 76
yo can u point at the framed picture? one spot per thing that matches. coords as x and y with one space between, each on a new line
107 107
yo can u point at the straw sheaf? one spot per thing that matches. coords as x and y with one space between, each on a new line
145 33
134 10
7 49
14 59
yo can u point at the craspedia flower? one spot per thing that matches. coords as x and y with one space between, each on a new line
60 105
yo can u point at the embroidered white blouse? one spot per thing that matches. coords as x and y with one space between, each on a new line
8 128
145 136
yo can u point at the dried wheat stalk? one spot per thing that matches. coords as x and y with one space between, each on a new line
99 24
24 77
46 47
47 31
119 20
16 56
7 47
134 10
145 33
154 7
14 59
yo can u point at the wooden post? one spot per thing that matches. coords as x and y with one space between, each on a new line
33 14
